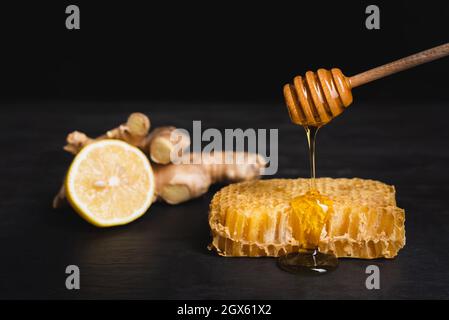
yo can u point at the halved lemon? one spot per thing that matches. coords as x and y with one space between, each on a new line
110 183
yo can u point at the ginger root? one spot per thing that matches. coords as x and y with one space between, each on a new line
160 144
59 199
134 131
175 183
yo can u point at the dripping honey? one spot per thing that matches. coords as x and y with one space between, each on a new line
311 209
311 138
310 212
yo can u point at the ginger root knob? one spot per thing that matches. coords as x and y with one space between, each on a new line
134 131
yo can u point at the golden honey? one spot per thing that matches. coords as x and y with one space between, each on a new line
310 212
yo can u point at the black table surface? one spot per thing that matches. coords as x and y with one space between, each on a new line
163 254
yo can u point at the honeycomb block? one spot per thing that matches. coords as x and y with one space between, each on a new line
256 219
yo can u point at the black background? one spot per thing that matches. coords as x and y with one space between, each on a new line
213 51
224 63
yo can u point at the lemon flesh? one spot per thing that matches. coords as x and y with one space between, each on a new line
110 183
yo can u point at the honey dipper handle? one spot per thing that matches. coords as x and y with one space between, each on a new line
399 65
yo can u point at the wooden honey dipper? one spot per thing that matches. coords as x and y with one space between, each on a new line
317 98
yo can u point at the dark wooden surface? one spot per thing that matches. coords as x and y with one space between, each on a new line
163 255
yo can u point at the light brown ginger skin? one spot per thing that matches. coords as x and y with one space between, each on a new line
160 144
134 131
177 183
60 199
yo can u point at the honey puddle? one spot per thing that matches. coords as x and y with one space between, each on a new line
310 212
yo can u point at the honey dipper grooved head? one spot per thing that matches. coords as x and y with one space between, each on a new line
318 97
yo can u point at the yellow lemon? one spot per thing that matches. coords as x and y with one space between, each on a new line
110 183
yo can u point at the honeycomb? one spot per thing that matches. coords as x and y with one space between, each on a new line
256 219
